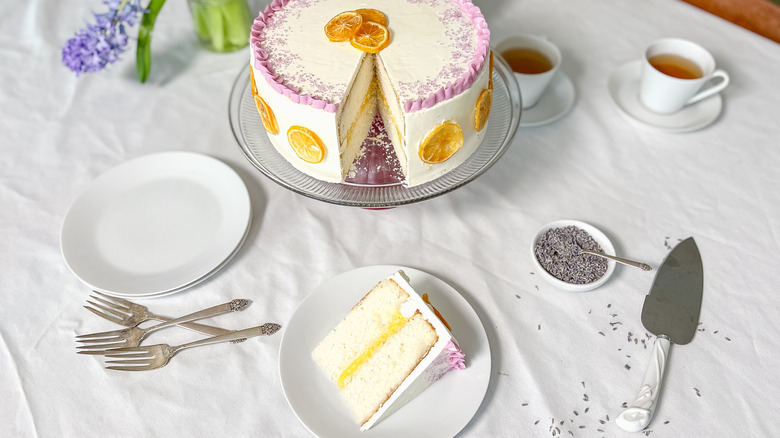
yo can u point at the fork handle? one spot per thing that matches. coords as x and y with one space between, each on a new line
231 306
265 329
194 326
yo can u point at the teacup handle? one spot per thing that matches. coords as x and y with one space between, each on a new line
709 91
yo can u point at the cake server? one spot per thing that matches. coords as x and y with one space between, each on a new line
671 312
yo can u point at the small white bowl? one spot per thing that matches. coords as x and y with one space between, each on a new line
597 235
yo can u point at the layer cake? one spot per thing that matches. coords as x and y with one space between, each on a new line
431 85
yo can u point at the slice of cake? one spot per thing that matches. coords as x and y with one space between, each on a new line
387 350
429 79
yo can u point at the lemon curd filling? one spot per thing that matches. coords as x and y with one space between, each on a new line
395 325
369 99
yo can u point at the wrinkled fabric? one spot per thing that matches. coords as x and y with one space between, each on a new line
562 363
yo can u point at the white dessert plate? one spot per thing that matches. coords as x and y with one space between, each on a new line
442 410
188 285
253 142
156 224
624 89
556 101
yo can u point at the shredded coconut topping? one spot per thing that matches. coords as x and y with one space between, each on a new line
281 66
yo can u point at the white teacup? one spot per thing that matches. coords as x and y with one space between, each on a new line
532 85
674 75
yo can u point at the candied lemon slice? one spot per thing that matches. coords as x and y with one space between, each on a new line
441 143
266 115
490 72
343 26
371 37
482 108
306 144
373 15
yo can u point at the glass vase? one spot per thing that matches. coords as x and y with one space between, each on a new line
221 25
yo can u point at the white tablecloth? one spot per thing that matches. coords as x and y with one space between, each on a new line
562 363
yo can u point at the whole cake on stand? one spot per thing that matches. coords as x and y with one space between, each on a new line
323 70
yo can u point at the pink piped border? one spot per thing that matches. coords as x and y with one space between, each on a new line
450 90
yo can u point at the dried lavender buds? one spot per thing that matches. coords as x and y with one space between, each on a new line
558 251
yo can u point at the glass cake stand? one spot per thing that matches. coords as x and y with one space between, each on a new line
254 143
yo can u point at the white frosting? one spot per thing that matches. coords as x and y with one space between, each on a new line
432 43
459 109
323 123
302 54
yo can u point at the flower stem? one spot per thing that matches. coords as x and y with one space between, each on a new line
143 52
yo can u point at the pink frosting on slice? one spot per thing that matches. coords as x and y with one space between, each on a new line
456 357
448 91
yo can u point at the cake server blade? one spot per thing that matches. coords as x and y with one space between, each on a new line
671 312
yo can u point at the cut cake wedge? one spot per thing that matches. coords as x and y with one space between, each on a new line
387 350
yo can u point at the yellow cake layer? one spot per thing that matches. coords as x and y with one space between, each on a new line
374 348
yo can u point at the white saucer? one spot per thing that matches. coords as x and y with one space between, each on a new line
442 410
156 225
556 101
624 89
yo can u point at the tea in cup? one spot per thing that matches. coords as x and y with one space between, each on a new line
534 61
677 73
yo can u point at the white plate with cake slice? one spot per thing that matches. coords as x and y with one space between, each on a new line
442 410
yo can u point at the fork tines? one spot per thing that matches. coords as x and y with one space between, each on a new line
110 308
121 301
96 350
130 359
99 345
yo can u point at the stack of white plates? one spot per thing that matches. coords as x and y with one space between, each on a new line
156 225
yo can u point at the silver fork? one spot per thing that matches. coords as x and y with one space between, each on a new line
156 356
100 343
130 314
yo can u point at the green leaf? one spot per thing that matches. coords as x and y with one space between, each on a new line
143 52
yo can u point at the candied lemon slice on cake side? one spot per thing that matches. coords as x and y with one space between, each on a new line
266 115
482 108
373 15
441 143
490 72
306 144
371 37
343 26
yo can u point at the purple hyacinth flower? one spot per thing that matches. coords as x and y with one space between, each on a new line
100 43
